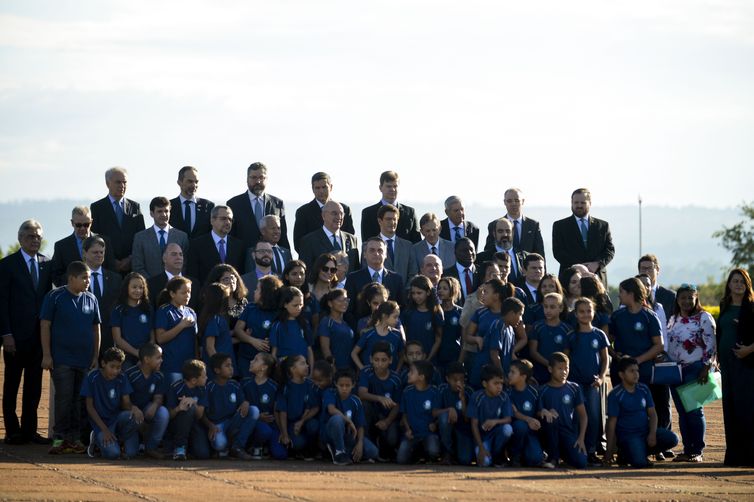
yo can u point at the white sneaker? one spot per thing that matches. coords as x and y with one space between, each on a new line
91 449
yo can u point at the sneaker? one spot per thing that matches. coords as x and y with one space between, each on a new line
256 453
58 445
179 453
332 453
154 454
669 454
239 453
341 458
660 457
593 460
684 457
223 454
547 465
90 450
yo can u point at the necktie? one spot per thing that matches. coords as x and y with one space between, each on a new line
118 212
80 246
514 264
187 216
335 243
221 250
516 238
96 288
467 280
278 260
258 210
33 272
162 241
582 226
391 252
457 235
434 250
534 295
376 277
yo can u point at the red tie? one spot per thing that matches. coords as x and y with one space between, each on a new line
467 278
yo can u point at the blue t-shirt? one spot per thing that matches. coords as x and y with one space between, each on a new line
362 323
262 396
259 322
421 326
451 399
484 407
341 340
176 351
370 337
585 355
417 405
106 394
218 328
180 389
631 409
525 400
488 328
135 324
290 339
224 400
295 398
144 388
390 387
549 339
450 345
564 400
71 318
633 335
600 319
351 407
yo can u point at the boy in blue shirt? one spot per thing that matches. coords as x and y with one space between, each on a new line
525 448
261 391
70 336
415 352
149 395
419 405
186 401
114 419
490 413
229 418
561 404
632 420
453 423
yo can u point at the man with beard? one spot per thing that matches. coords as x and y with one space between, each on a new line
262 265
504 244
270 230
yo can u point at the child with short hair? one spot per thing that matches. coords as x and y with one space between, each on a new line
253 326
149 395
525 448
343 422
70 337
419 405
214 329
454 425
335 335
559 401
415 352
290 335
297 407
186 400
175 328
114 419
382 327
588 351
490 413
132 320
261 391
423 318
449 293
548 335
632 420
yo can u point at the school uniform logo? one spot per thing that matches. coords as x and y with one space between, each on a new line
112 394
499 411
427 404
428 326
595 344
643 403
349 413
350 333
527 406
459 405
265 398
558 339
638 326
143 318
454 321
232 397
152 388
266 325
87 309
567 399
387 395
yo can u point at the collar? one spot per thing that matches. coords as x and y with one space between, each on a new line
510 218
533 289
436 245
217 238
384 202
157 229
113 200
578 219
461 268
170 276
385 238
320 204
97 270
28 257
253 197
372 271
328 233
184 199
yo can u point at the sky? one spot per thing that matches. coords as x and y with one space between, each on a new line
627 98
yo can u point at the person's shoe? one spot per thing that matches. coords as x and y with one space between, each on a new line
341 458
37 438
696 458
594 460
223 454
547 465
514 463
332 452
669 454
683 457
447 459
256 453
58 445
91 449
660 457
154 454
239 453
179 453
15 439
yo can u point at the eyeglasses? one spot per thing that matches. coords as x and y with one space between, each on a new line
83 225
690 287
263 251
332 270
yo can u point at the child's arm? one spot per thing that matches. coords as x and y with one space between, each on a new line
243 334
212 429
521 338
407 427
275 353
358 448
310 358
436 344
121 342
385 401
603 368
652 436
107 436
655 349
95 346
44 329
532 422
611 440
308 414
184 403
283 422
165 335
469 335
136 414
581 412
451 411
534 353
152 407
324 344
355 357
495 359
390 418
209 346
482 454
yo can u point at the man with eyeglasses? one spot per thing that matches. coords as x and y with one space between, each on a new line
70 249
269 226
329 238
527 236
218 246
263 259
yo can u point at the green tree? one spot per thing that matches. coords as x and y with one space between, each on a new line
739 238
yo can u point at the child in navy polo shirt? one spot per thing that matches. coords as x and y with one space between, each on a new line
548 336
261 391
335 335
70 336
449 292
525 448
423 318
291 335
131 319
175 327
632 420
561 406
419 405
454 425
253 326
229 418
213 324
297 407
381 327
343 423
415 352
380 390
114 419
490 413
186 400
149 395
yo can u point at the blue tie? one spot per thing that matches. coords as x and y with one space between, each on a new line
376 277
335 244
391 252
258 210
187 216
162 241
118 212
221 250
582 226
458 235
96 289
33 272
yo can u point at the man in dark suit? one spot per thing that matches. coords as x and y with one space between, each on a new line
374 271
399 257
118 218
408 227
455 226
650 266
432 242
105 284
218 246
583 239
189 213
533 267
250 206
309 216
504 244
172 260
149 244
269 226
262 266
69 248
527 236
464 269
25 278
329 238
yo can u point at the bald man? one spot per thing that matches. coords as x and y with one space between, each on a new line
330 238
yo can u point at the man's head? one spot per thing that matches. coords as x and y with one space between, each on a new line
159 210
514 201
374 253
389 186
322 187
429 225
454 210
465 252
534 268
432 268
332 216
116 179
269 227
649 265
30 236
504 233
172 258
81 221
188 181
581 202
256 177
221 218
263 254
387 219
93 251
342 262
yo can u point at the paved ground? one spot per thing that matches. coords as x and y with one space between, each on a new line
29 473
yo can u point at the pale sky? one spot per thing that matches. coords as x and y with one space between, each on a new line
651 97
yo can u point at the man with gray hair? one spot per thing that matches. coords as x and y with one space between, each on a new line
429 226
455 226
218 246
118 218
329 238
269 226
309 216
70 249
172 266
527 236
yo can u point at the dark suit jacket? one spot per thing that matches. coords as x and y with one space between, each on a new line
202 224
147 256
471 231
516 274
309 219
568 247
521 284
355 282
666 297
203 255
316 243
408 225
105 222
157 283
250 266
531 237
111 283
453 272
66 251
245 223
20 301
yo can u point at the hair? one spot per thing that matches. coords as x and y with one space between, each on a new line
565 279
561 301
217 209
217 359
455 368
502 290
158 202
490 371
649 257
266 219
221 269
549 277
324 368
454 286
415 343
592 288
518 191
81 211
269 289
557 357
464 240
193 368
270 362
389 176
387 208
285 366
376 239
342 258
76 268
384 310
583 191
143 304
214 302
113 171
149 349
321 176
452 200
512 304
422 282
320 262
530 258
256 166
635 287
366 295
425 369
285 296
383 347
685 288
289 268
524 366
345 373
91 241
626 362
172 286
500 256
182 171
324 302
728 297
427 217
113 354
582 300
481 269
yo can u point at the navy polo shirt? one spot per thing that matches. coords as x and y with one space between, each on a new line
224 400
633 335
370 337
218 328
451 399
259 322
525 400
290 338
351 407
484 407
179 389
450 346
296 398
179 349
341 340
564 400
71 318
106 394
417 405
262 396
585 355
135 324
144 389
420 326
631 409
391 387
549 339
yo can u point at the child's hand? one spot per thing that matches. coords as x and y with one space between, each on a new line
597 381
482 456
386 402
652 439
297 427
458 389
358 451
479 342
137 415
534 424
267 417
409 434
243 410
381 425
260 344
186 322
284 439
108 437
579 444
351 427
452 416
212 431
186 403
149 411
433 427
47 363
488 425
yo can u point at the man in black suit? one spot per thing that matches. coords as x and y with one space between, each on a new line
527 236
533 270
583 239
188 212
329 238
105 284
25 278
250 206
399 256
649 265
464 269
70 249
374 271
118 218
309 216
172 261
455 226
269 226
408 225
218 246
262 266
504 244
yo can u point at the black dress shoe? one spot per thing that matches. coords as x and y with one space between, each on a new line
15 439
37 438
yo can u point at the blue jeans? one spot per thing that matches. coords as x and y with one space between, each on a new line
237 427
464 444
340 439
594 426
430 443
561 441
633 449
68 401
187 431
126 431
524 445
153 430
693 425
494 442
268 434
299 442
